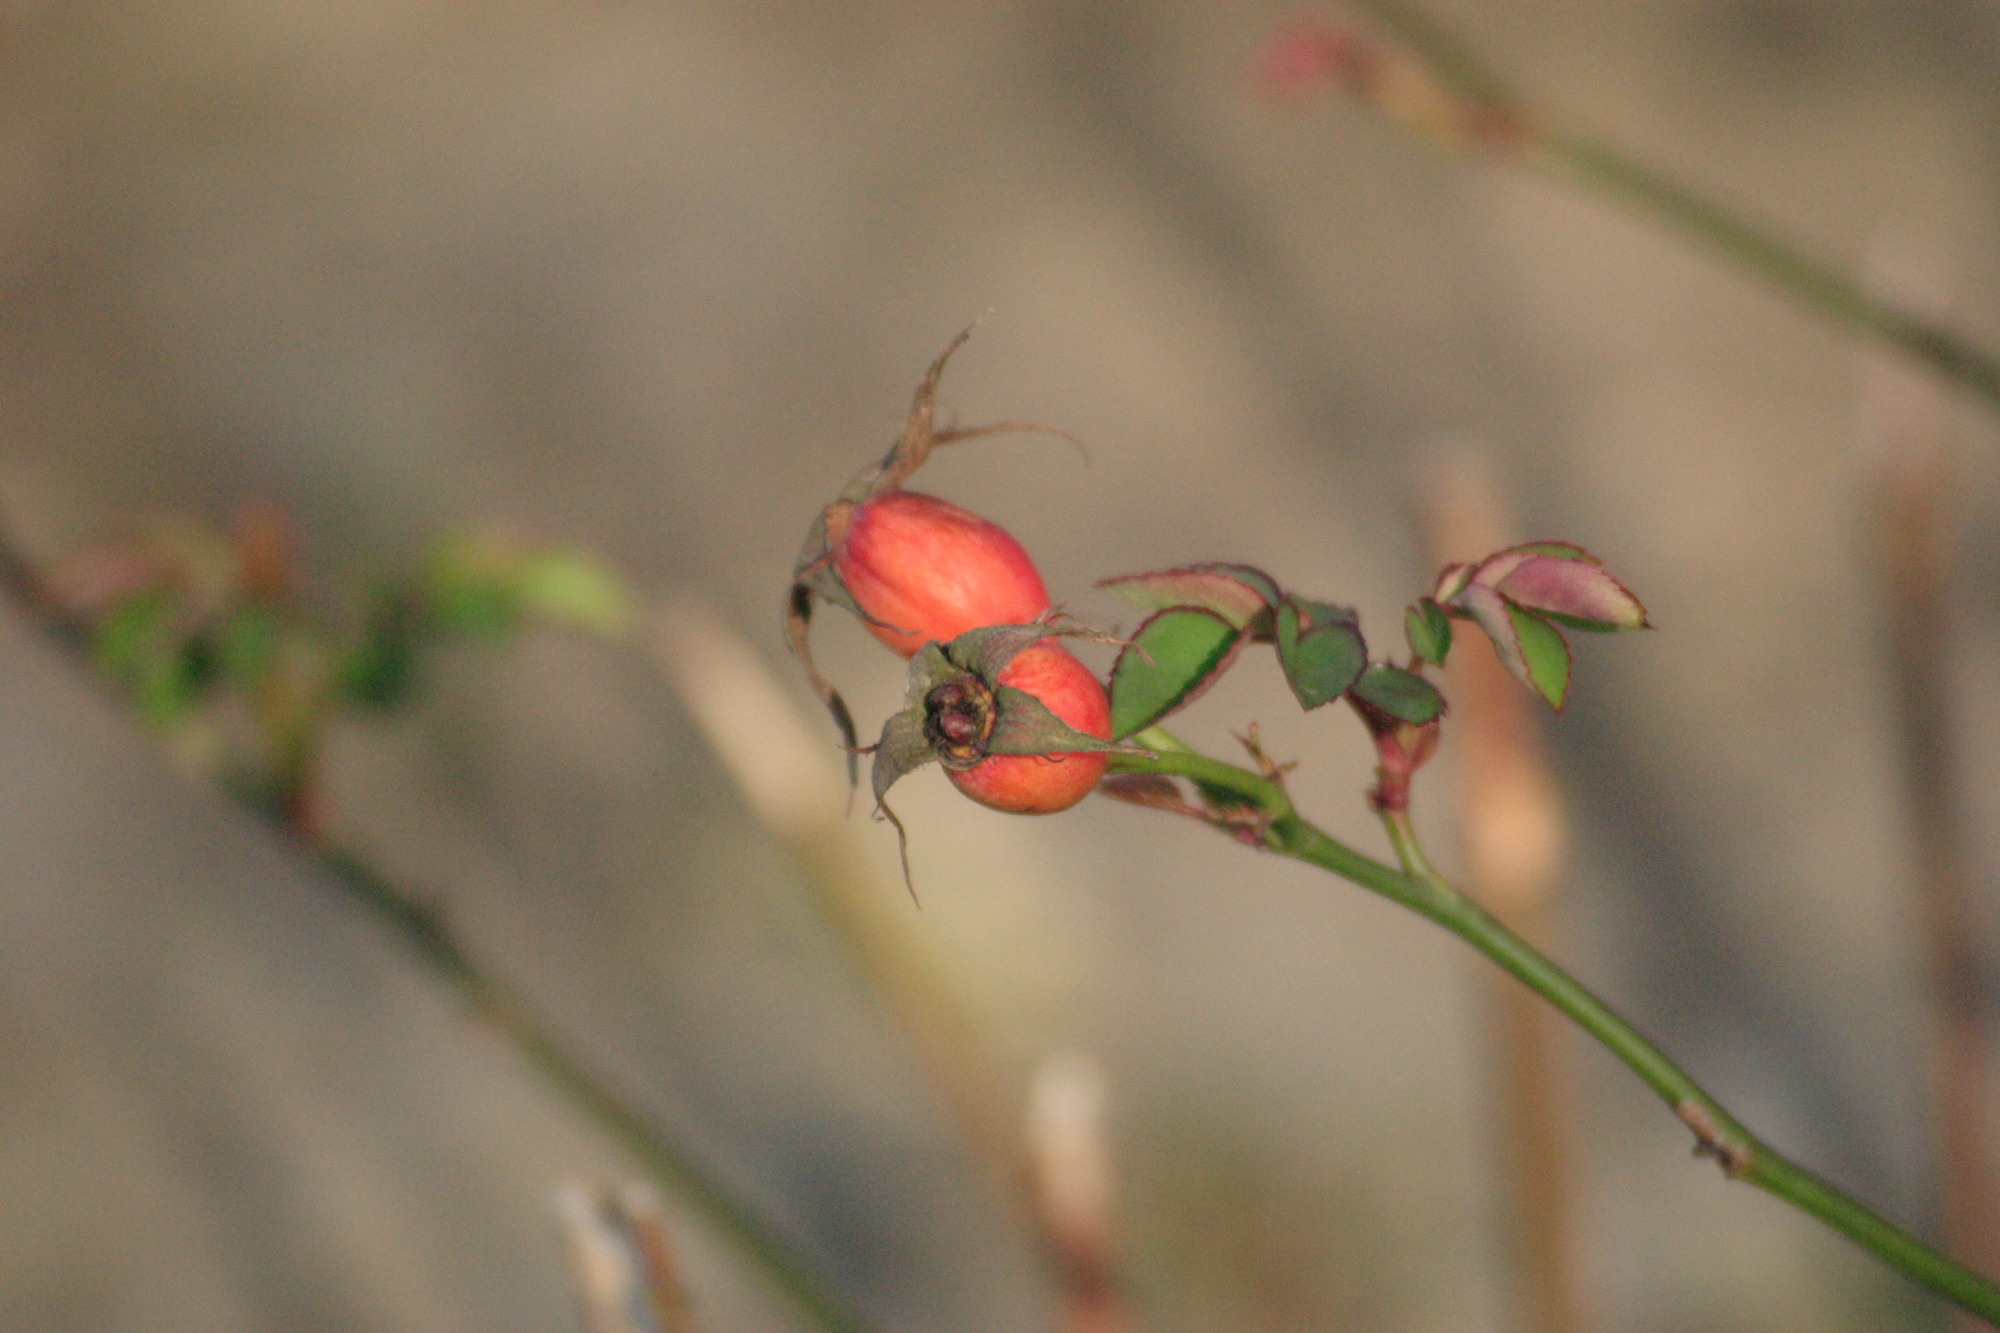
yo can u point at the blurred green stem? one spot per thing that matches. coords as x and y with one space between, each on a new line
424 930
1420 888
1612 175
675 1169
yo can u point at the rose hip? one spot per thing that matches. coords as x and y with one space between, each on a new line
1044 784
926 569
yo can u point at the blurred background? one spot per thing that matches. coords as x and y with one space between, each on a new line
655 280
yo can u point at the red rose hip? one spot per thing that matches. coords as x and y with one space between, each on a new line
924 569
1044 784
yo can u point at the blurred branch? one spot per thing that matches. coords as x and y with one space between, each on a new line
1514 843
1070 1168
1903 428
1444 91
1418 887
619 1254
423 929
799 794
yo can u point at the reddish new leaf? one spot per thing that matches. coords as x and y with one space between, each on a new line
1238 594
1577 593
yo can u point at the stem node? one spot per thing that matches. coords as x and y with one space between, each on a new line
1711 1140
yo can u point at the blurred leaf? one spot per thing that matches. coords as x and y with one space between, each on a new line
1401 694
1321 648
470 582
380 669
1574 591
1172 658
1238 594
1428 629
131 632
90 582
565 588
266 549
248 641
139 643
486 609
483 581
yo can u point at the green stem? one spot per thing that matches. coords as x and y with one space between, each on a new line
424 930
1718 1134
1615 176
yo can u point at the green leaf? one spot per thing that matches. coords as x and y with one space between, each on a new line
1238 594
1545 652
1321 649
573 590
1428 629
1172 658
1401 694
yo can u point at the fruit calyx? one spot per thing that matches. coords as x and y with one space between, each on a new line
957 713
959 716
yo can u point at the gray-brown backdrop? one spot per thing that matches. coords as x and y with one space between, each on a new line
656 278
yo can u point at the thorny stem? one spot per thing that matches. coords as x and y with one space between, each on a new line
1718 1134
1615 176
423 928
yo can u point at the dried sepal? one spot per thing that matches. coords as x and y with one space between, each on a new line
798 621
903 748
1024 725
1154 791
1220 809
987 651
